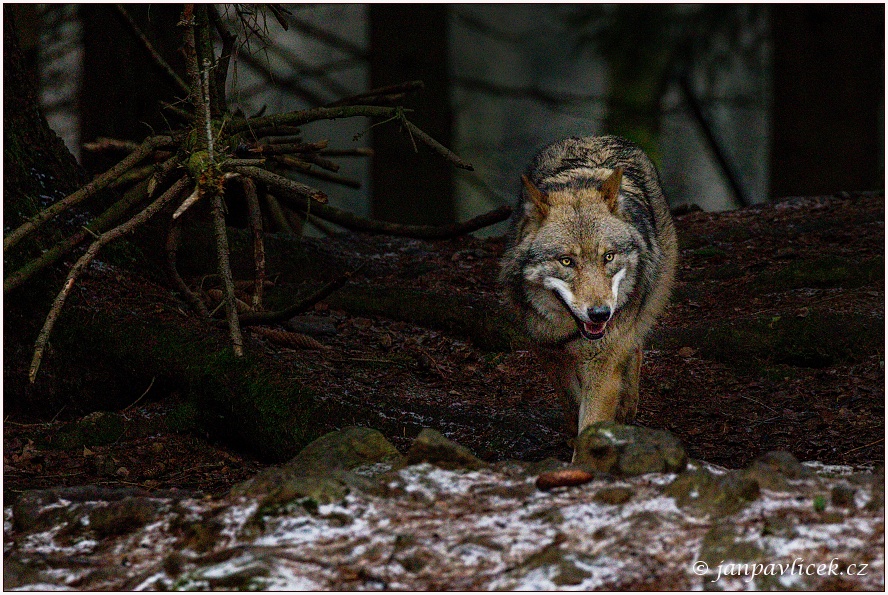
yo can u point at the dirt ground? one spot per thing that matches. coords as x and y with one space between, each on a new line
774 341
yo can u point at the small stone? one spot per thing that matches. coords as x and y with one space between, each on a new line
430 446
766 477
784 463
121 517
843 495
710 494
615 495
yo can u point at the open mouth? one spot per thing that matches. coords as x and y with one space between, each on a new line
592 330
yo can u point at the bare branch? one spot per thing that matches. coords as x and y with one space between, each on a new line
279 183
98 184
301 117
158 59
237 340
104 143
298 307
304 167
424 232
285 148
174 192
438 147
351 221
399 89
172 248
249 187
132 197
360 152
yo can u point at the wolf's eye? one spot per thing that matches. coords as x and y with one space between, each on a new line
608 256
566 261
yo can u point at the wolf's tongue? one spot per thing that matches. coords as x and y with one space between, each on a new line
594 328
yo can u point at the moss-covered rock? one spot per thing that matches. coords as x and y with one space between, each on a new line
430 446
122 516
784 463
708 494
348 448
629 450
96 429
322 471
772 470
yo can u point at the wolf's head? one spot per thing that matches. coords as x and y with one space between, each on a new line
581 254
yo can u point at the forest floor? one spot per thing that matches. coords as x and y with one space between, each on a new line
774 340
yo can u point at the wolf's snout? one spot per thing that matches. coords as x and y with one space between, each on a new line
599 314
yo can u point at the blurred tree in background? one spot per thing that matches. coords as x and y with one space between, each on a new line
829 98
812 77
410 42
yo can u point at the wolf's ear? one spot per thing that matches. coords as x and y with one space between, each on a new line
610 189
539 198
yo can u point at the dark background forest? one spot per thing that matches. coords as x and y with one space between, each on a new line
738 105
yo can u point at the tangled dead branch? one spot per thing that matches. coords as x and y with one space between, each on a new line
205 157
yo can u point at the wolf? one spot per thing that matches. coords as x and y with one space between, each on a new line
589 267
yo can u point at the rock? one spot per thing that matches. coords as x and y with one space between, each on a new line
784 463
564 570
629 450
124 516
767 477
349 448
40 510
315 326
322 490
17 574
96 429
344 459
615 495
244 573
547 464
843 495
772 470
430 446
708 494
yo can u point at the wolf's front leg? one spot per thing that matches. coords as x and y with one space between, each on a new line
561 370
628 407
601 387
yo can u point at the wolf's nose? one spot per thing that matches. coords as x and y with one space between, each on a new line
599 313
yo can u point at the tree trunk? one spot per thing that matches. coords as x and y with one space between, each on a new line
829 94
37 168
410 42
